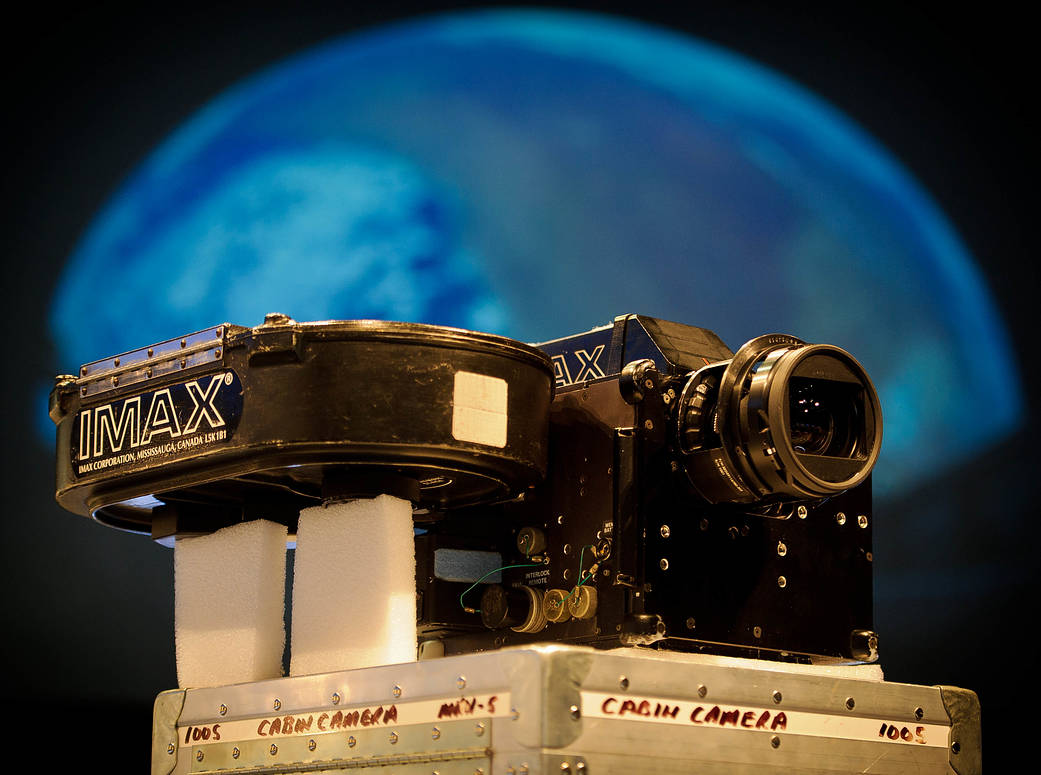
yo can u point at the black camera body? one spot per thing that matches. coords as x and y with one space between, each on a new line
637 484
695 500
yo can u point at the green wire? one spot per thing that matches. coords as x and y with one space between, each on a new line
489 573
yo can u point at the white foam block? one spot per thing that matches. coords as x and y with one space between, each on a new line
229 605
354 586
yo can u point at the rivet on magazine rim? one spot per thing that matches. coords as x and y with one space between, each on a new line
396 691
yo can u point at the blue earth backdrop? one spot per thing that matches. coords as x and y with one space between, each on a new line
534 174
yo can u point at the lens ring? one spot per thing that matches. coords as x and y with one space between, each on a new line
860 456
729 405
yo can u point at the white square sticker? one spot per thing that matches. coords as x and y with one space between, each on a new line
479 409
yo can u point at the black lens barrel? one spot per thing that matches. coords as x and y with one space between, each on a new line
789 421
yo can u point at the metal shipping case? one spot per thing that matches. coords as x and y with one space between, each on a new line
561 709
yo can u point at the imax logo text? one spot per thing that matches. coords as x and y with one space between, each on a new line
143 420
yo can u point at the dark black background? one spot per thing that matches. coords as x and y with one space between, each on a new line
88 93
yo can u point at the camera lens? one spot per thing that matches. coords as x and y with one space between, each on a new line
822 417
782 420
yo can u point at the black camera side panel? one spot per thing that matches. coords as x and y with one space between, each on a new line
795 586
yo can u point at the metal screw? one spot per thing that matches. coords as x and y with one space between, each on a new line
311 745
567 550
840 518
777 697
664 564
919 713
277 705
170 748
775 741
460 682
665 531
690 622
274 749
648 425
435 734
581 766
565 767
235 753
336 698
869 556
115 362
850 703
703 525
702 690
393 738
151 352
216 353
352 741
514 714
184 343
198 756
576 712
219 332
757 631
223 710
802 511
648 383
862 520
479 728
781 549
782 582
623 682
396 691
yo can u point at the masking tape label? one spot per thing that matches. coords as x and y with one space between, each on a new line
479 409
